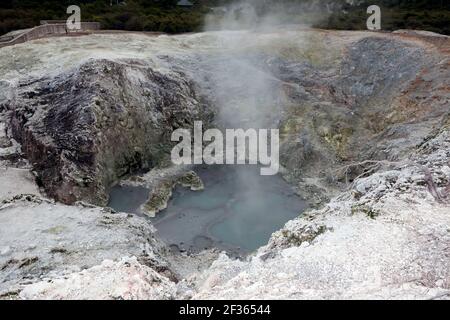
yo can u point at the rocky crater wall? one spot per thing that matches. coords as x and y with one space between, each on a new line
84 130
343 99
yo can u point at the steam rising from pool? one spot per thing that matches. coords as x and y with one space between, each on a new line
239 209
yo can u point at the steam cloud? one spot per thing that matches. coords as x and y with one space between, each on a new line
263 14
246 93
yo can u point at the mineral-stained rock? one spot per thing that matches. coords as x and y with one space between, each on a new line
159 198
191 180
162 192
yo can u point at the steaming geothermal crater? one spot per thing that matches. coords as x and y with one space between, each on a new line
83 113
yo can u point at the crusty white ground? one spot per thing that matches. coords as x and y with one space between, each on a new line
16 181
124 279
403 253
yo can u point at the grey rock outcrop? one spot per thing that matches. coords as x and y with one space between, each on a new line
85 129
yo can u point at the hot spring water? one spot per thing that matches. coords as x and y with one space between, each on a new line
238 210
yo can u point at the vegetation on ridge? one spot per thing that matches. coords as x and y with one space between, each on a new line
167 16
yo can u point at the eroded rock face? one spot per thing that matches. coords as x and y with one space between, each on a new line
373 103
85 129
